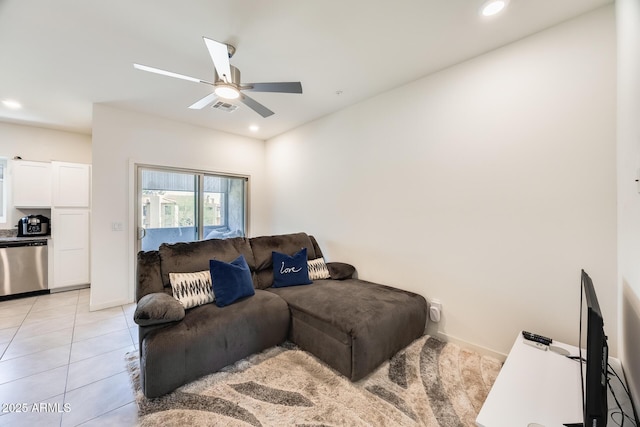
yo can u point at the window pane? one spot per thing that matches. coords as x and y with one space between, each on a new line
168 208
223 207
183 206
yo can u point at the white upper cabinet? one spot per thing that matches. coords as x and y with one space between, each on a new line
71 185
31 184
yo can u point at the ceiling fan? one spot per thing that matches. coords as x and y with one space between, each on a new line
226 81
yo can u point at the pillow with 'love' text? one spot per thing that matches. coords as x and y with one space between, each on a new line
290 270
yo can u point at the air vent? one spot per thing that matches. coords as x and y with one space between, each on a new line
225 106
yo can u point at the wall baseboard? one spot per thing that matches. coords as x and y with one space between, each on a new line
69 288
108 304
477 348
432 330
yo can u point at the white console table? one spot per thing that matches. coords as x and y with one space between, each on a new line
537 387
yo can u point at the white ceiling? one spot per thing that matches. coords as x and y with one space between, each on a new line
60 57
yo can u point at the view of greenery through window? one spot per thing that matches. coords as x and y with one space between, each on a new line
179 209
178 206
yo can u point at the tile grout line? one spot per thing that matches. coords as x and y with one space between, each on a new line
124 313
33 307
66 379
18 329
108 412
16 332
33 354
93 382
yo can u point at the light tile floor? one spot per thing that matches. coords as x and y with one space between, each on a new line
62 365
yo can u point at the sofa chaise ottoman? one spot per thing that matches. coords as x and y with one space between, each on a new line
350 324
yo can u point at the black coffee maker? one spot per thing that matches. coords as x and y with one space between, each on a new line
34 225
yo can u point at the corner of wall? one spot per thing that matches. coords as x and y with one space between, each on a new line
630 343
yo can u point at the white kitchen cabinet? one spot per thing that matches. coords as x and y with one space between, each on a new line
71 185
31 184
65 188
70 245
70 224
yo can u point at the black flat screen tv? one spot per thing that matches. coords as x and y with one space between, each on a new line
594 377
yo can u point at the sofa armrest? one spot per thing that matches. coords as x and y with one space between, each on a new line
157 308
340 270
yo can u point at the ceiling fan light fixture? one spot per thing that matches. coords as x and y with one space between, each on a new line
493 7
227 91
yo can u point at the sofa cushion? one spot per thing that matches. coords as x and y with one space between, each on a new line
318 269
208 339
192 289
290 270
353 325
264 246
189 257
157 308
231 281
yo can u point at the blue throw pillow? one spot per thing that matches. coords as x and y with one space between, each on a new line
231 281
290 270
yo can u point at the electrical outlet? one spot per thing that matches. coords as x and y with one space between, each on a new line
435 310
116 226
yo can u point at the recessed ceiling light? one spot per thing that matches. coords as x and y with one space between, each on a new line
254 128
10 103
493 7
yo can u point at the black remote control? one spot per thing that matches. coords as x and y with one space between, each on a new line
537 338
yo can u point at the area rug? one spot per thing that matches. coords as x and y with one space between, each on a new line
430 383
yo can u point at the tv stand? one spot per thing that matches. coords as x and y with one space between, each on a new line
542 388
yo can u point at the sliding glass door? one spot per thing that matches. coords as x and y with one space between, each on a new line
176 205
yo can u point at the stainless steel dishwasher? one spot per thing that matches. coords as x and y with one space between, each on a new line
23 266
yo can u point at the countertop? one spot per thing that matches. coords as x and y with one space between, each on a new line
24 239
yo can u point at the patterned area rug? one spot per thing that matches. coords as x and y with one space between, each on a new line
430 383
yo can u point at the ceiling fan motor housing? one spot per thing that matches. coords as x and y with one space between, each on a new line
233 79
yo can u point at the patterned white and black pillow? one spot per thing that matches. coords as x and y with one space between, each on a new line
318 269
192 289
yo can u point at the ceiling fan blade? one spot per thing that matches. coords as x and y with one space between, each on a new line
220 57
207 100
255 106
169 74
283 87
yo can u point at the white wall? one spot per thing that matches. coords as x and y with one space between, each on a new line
121 138
628 17
40 144
488 185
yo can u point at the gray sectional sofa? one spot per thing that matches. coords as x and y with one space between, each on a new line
350 324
